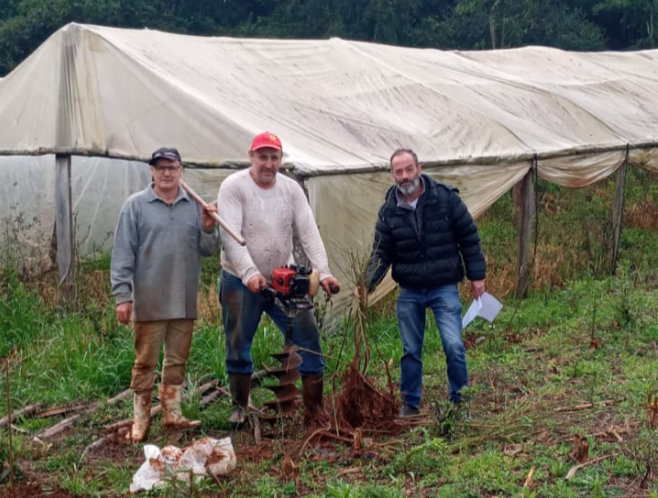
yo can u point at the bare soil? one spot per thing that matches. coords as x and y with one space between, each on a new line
33 489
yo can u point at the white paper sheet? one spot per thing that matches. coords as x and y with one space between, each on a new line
472 312
485 306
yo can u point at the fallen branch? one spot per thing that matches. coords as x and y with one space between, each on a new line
353 470
61 410
206 387
36 411
19 430
412 420
57 428
27 410
255 425
119 397
100 442
384 444
614 432
529 480
210 398
127 422
576 468
584 406
326 432
315 433
66 423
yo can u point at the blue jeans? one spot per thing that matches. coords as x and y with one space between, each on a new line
241 313
445 304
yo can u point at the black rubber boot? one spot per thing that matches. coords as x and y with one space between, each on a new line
312 387
240 386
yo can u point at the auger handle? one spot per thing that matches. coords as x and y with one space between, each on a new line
238 238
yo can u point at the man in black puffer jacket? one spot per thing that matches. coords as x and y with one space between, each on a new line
426 233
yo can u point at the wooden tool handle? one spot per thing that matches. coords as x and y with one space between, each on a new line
238 238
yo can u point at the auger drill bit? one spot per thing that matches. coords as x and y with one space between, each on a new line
289 289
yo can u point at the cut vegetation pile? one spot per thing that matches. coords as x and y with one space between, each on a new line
361 404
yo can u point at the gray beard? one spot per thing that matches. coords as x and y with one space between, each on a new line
411 188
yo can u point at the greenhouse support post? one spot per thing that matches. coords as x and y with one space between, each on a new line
525 196
64 224
618 212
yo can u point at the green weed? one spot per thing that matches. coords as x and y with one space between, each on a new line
430 457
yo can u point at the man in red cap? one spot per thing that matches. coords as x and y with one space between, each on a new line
267 208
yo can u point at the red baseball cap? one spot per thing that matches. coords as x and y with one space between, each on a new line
266 139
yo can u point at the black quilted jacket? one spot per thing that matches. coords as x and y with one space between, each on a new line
430 246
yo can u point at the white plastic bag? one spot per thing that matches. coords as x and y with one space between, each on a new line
216 455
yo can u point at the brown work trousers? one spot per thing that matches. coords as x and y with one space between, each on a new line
149 336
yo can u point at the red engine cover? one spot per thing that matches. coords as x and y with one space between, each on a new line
281 278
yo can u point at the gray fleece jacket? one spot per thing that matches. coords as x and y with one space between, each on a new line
156 259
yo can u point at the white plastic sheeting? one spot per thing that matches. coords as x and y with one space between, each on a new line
99 188
478 120
337 105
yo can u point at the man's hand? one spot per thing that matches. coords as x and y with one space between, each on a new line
207 220
256 283
330 285
124 312
477 287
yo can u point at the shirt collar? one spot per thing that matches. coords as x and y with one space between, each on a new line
151 196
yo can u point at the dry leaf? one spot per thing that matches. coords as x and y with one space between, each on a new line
512 449
580 452
290 468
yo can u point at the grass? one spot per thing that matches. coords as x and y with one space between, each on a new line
578 357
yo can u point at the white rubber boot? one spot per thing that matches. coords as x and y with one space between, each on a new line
170 398
141 417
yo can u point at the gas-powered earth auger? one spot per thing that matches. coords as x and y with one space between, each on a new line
291 288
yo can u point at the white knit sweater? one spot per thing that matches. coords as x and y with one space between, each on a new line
267 220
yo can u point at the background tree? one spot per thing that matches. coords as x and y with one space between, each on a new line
629 23
446 24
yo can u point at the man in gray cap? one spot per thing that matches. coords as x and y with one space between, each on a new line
156 261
